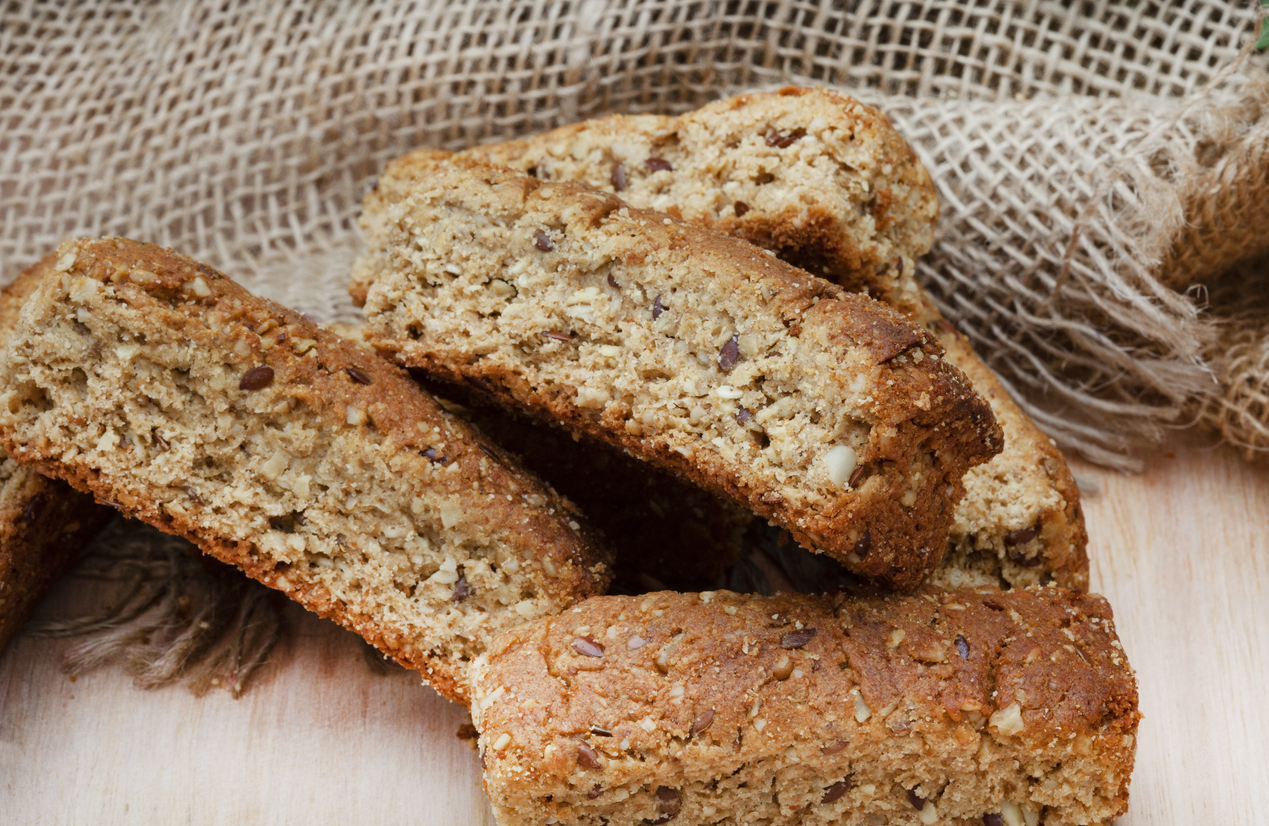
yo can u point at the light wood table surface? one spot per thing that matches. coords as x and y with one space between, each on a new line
1182 551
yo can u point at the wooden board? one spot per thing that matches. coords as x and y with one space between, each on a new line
1182 552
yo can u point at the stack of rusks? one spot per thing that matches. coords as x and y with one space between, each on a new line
590 359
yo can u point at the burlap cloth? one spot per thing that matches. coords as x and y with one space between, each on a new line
1100 170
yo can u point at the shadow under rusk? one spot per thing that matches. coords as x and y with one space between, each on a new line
167 615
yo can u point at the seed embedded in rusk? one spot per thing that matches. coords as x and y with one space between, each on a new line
654 164
587 647
587 757
257 378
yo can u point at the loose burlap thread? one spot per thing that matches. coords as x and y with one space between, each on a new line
1102 166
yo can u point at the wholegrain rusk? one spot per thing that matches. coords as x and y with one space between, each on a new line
814 174
942 707
829 185
820 410
44 523
158 384
665 533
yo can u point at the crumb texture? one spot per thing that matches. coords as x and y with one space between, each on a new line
162 387
945 707
828 184
813 174
44 524
820 410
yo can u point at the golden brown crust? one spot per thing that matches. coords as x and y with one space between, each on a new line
810 710
151 306
921 424
850 183
44 524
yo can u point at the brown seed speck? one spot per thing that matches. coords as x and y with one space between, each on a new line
917 801
703 721
556 335
834 792
799 638
467 732
657 165
257 378
1022 535
668 801
962 647
657 308
600 732
730 354
161 442
993 819
587 647
781 140
618 177
740 208
543 241
461 590
743 415
898 267
587 757
1024 561
359 376
194 497
856 477
834 747
863 546
612 282
595 792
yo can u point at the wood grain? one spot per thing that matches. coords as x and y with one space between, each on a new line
1182 551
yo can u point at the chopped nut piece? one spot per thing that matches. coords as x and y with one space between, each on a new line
543 241
740 208
1007 720
917 801
502 742
841 462
703 721
834 747
461 590
657 165
359 376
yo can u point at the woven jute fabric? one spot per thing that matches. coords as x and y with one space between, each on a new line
1099 163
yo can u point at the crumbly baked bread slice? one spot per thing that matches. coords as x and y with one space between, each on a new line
666 533
951 707
829 185
811 173
44 524
823 411
158 384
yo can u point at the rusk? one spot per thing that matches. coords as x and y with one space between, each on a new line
942 707
44 524
159 385
829 185
823 411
